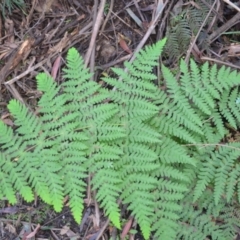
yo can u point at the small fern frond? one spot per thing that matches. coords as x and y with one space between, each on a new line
198 215
226 111
232 182
205 176
225 166
6 187
23 118
107 182
181 101
75 68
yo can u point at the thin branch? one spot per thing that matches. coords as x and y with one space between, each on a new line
95 32
204 145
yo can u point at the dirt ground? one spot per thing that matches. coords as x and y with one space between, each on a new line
36 37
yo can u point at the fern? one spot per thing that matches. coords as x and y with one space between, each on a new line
204 218
10 4
159 152
186 24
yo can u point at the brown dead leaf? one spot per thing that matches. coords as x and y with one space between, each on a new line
19 55
67 231
64 230
10 228
233 50
56 67
7 49
3 55
126 228
61 45
8 122
32 234
25 231
44 6
193 4
123 44
5 115
95 222
9 28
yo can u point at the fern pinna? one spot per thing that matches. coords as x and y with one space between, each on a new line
163 151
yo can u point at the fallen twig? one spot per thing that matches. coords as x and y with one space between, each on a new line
95 32
29 70
152 25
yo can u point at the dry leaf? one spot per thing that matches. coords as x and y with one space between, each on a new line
123 44
56 67
64 230
60 45
10 228
32 234
126 228
67 231
233 50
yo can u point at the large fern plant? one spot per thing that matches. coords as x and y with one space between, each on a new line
163 151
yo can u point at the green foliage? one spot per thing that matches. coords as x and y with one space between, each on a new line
164 152
184 23
9 5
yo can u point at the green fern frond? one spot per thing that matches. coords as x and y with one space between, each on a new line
107 182
183 26
158 151
204 217
9 5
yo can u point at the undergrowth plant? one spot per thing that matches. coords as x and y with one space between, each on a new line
184 22
169 153
9 5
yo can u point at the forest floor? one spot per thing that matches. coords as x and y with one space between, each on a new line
36 37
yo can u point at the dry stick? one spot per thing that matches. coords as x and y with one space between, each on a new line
92 58
89 25
31 12
139 12
148 33
49 38
199 31
215 18
214 11
97 212
92 66
95 32
11 88
220 62
231 22
146 36
115 35
204 145
163 20
108 65
107 17
28 70
102 229
232 5
126 23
